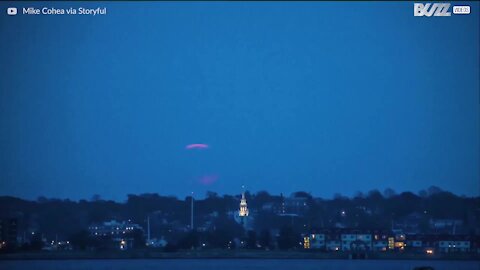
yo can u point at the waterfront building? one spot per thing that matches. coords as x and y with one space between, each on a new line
314 241
8 233
113 228
453 243
356 240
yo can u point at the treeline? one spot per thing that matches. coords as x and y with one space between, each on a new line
64 219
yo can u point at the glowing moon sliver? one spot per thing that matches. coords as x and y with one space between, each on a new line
196 146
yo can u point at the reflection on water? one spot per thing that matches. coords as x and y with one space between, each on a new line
234 264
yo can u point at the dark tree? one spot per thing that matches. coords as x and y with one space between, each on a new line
81 240
251 240
138 238
388 193
189 241
287 238
219 238
265 239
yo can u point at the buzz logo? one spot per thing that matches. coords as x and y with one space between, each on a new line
429 9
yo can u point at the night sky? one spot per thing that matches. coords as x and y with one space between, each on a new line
321 97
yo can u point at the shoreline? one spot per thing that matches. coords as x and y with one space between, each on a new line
223 254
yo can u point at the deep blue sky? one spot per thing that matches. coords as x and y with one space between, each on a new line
322 97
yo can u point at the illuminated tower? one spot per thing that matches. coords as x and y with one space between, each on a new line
243 206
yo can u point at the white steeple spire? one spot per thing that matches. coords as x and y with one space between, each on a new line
243 206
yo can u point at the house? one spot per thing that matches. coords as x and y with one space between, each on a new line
117 235
399 241
314 241
277 208
475 244
157 243
409 224
414 243
59 245
380 240
295 205
356 240
113 228
446 226
380 245
442 243
453 243
333 245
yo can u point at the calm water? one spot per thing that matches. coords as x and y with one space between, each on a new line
233 264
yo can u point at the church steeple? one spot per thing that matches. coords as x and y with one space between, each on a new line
243 206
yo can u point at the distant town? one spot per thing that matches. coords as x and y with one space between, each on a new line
430 222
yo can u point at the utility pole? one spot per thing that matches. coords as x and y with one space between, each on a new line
191 213
148 229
